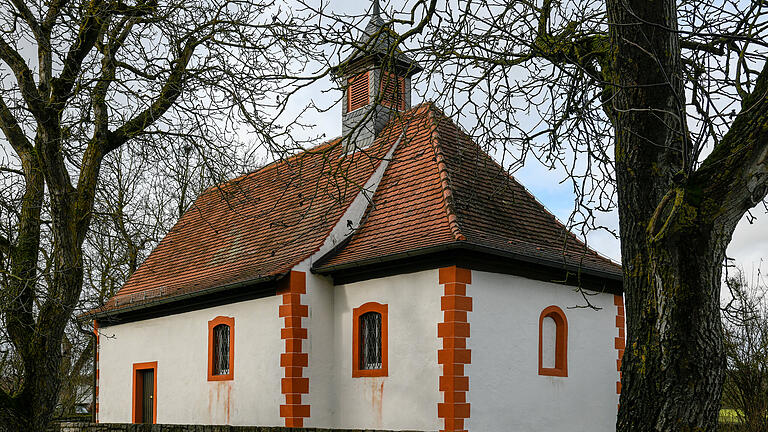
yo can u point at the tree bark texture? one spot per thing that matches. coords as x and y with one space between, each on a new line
676 221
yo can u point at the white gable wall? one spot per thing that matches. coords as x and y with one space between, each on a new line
179 344
505 390
407 398
319 345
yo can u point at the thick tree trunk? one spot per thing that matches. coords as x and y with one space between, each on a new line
672 246
673 366
36 323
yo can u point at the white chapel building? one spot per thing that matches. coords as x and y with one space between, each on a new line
396 279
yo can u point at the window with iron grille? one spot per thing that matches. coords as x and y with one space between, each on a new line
370 341
221 353
392 91
221 349
357 92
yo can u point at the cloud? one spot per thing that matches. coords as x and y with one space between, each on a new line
749 246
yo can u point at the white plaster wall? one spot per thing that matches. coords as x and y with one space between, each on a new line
505 391
321 372
179 344
407 398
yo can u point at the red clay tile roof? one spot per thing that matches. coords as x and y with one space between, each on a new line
258 225
442 188
439 189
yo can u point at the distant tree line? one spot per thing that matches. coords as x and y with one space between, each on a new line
745 326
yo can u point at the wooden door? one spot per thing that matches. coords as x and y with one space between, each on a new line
147 394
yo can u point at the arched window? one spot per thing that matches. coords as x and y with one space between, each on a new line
369 340
553 342
221 348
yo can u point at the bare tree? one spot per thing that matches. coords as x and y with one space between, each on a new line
658 109
745 322
139 198
81 81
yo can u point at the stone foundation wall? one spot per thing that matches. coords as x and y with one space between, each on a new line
124 427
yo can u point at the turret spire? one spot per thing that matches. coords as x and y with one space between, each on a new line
376 9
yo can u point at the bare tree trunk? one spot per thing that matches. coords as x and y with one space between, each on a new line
674 352
673 246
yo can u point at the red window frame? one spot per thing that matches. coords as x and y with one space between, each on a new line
229 321
356 314
561 342
136 407
358 93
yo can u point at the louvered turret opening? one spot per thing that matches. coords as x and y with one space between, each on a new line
393 91
357 92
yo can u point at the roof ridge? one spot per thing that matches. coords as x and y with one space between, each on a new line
567 230
543 207
445 182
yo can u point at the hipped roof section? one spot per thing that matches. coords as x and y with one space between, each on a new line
257 226
439 189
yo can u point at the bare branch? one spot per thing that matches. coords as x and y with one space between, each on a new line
13 132
5 244
735 174
168 94
24 78
88 33
27 15
54 9
11 170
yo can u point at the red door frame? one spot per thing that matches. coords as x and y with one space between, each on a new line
136 406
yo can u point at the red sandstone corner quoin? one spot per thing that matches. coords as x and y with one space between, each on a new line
294 359
620 341
454 331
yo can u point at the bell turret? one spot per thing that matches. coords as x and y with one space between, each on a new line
376 78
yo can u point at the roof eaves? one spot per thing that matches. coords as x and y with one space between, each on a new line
564 228
471 247
101 313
